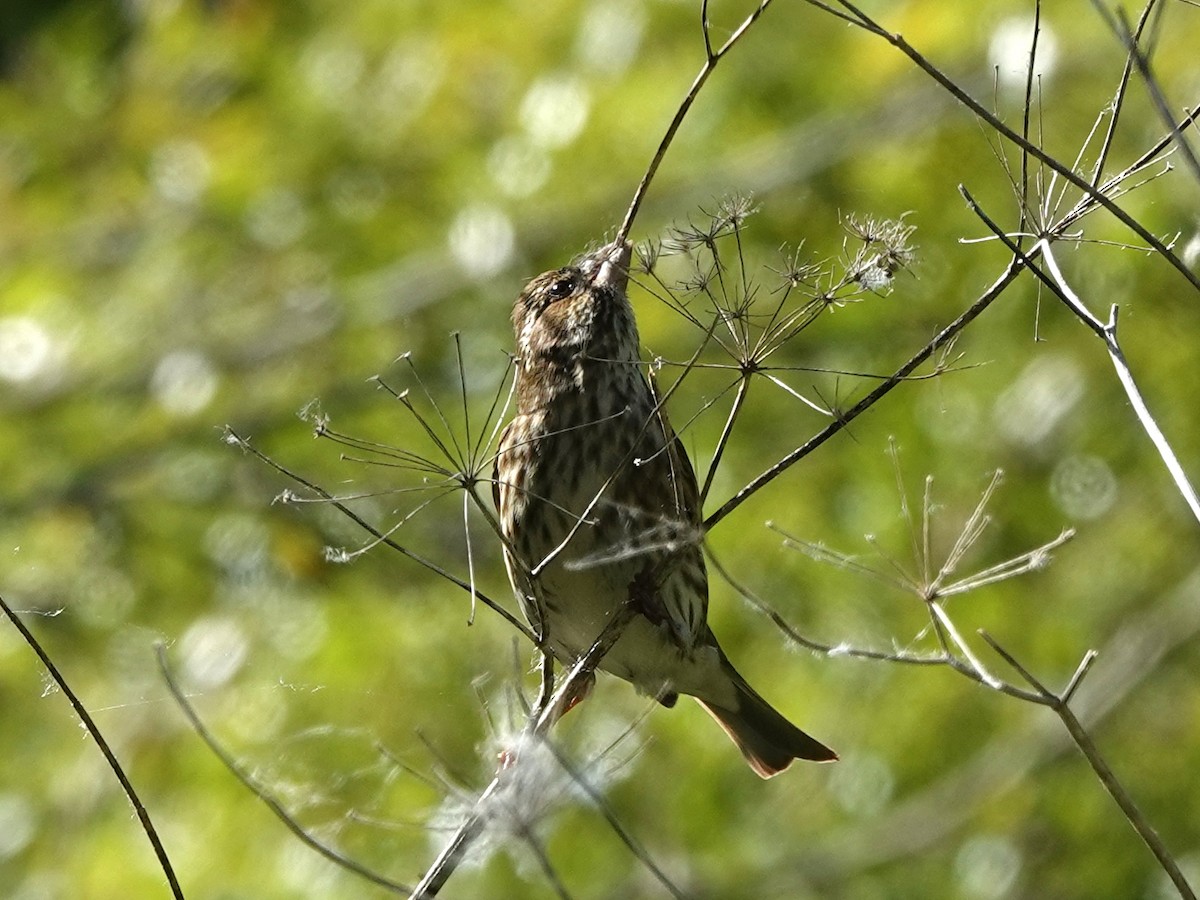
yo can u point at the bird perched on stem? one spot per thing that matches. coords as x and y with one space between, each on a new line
599 504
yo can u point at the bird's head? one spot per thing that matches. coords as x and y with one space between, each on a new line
578 310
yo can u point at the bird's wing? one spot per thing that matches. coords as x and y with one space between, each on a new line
686 586
682 475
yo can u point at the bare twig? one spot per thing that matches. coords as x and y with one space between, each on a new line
1083 740
1027 108
455 851
942 339
474 826
931 815
1117 21
1158 149
1107 332
956 654
711 58
234 438
580 778
743 386
258 790
1096 196
94 730
1118 101
944 625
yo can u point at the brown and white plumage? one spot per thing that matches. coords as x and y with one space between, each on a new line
590 473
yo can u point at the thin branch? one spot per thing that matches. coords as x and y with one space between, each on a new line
1120 26
734 409
903 657
453 854
942 339
1087 746
1147 158
1096 196
94 731
234 438
971 531
1027 107
473 827
945 626
583 667
1107 332
543 861
580 778
258 790
710 63
1125 374
1085 666
1118 101
1018 565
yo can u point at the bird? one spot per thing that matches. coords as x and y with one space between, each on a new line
598 506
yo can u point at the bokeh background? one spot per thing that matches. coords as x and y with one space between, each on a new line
215 213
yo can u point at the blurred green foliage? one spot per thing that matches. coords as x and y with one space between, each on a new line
214 213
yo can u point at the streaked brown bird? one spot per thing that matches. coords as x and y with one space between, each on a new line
599 503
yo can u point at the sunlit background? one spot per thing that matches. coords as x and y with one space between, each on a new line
217 213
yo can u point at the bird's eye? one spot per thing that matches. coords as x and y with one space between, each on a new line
562 287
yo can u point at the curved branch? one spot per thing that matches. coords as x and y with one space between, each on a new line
712 57
1083 740
94 730
258 790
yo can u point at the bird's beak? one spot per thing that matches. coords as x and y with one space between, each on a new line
611 265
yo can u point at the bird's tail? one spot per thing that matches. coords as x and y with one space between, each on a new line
767 740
